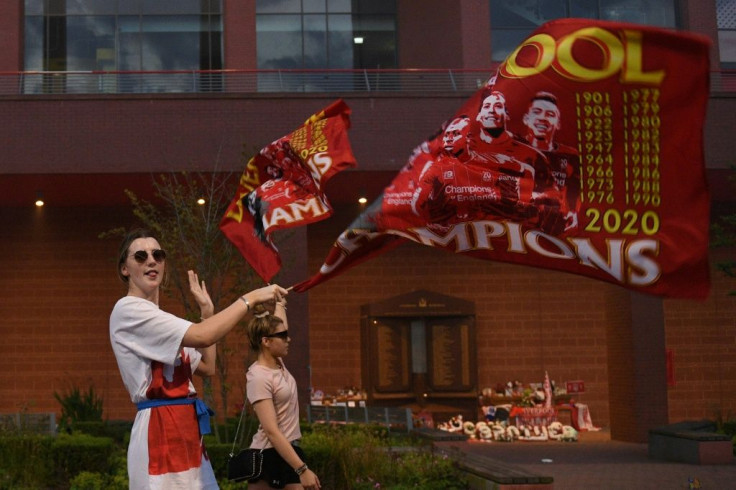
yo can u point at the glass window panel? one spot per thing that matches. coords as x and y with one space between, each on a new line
178 7
33 43
91 7
129 6
727 46
90 42
340 41
162 50
374 7
505 41
212 6
33 7
506 14
339 6
366 24
315 41
654 12
551 9
379 41
377 51
584 9
278 6
55 47
279 41
129 23
726 14
129 51
170 23
311 6
56 7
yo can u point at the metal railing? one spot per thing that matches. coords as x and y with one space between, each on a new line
264 81
240 81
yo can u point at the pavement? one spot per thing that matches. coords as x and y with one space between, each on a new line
597 462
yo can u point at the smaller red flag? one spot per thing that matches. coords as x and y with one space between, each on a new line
282 186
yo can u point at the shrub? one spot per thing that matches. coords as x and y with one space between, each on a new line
365 457
25 461
77 406
73 454
97 481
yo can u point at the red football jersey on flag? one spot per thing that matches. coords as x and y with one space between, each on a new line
592 134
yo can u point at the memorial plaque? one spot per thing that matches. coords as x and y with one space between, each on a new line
450 368
392 358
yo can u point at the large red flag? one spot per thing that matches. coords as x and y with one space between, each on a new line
584 153
282 186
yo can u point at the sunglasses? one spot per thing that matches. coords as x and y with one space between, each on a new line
141 256
283 335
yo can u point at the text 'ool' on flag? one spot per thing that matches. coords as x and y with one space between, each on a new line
583 153
282 186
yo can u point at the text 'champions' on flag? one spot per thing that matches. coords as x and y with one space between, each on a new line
583 154
282 186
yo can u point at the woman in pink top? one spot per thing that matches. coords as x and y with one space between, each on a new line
272 392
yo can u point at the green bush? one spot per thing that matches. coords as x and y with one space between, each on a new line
97 481
365 457
73 454
25 461
117 430
78 406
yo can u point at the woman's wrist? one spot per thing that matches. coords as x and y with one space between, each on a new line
244 299
299 471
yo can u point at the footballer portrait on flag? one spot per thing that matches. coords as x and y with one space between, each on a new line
579 154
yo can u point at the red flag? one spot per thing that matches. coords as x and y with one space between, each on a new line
584 153
282 186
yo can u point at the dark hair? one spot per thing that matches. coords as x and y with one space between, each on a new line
124 250
549 97
263 323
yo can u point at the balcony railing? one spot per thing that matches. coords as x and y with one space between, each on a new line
264 81
240 81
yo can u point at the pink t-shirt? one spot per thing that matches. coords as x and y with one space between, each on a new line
279 386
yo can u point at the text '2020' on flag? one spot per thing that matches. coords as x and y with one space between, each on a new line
282 186
583 153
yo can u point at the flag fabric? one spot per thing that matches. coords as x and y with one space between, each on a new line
583 153
282 186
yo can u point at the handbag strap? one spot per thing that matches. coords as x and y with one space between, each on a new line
240 423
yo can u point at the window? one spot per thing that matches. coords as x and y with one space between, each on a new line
513 20
117 35
726 13
324 34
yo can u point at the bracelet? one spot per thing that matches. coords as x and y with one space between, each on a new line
247 303
301 469
281 304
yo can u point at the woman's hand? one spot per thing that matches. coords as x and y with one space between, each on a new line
266 294
309 480
199 290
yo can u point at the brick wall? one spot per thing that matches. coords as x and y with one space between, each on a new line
529 321
59 285
702 338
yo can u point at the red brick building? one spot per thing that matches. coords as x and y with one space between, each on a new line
83 147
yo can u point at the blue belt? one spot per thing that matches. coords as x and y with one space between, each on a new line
203 411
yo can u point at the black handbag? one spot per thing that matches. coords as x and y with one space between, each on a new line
247 463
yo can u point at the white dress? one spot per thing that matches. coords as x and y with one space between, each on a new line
166 449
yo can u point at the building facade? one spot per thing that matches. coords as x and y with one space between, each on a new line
98 96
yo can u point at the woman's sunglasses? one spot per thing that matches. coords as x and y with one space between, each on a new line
141 256
283 335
